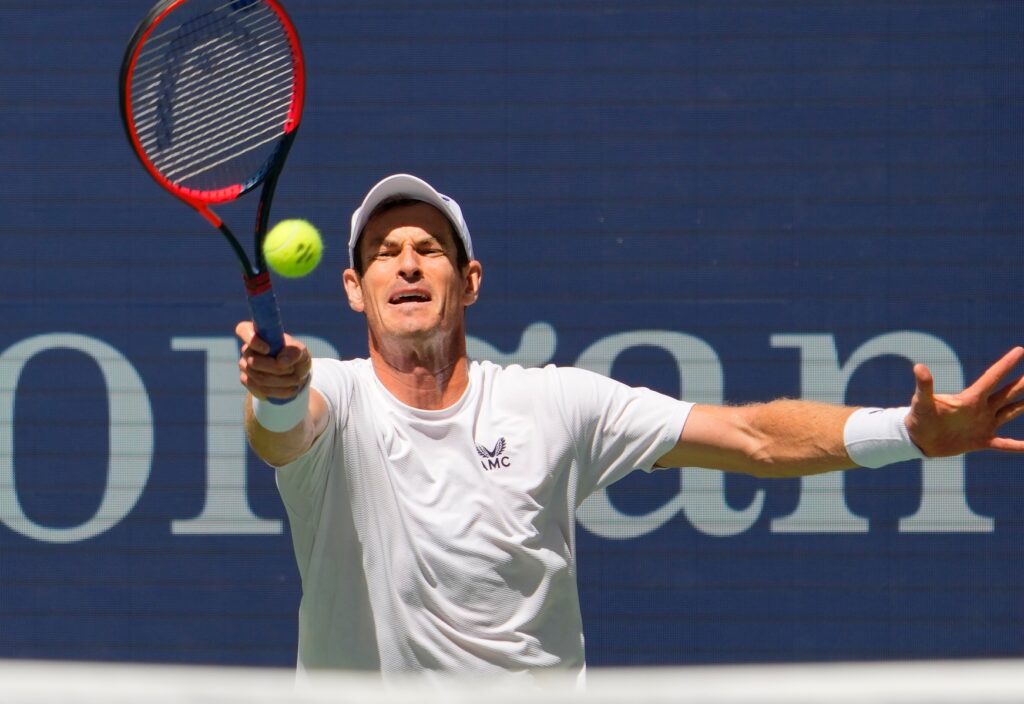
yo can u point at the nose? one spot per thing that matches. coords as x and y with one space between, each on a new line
409 262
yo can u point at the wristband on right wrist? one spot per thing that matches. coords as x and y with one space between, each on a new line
875 437
280 418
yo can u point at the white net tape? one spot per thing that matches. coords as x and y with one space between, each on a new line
955 682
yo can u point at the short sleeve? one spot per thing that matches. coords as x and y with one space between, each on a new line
617 428
301 482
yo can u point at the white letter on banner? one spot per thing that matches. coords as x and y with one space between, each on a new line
702 492
536 347
822 507
226 510
130 437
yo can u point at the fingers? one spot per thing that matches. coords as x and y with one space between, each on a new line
1006 444
277 377
1008 393
1008 413
995 374
264 376
925 385
263 386
1006 397
245 330
251 342
293 352
297 363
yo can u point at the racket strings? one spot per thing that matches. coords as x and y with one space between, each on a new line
211 102
211 92
252 141
228 96
214 117
209 153
219 122
152 61
173 30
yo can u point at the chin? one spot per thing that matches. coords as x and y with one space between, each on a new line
413 329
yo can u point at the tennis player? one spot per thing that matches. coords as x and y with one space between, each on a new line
431 497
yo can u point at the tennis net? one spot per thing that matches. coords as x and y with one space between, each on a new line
942 682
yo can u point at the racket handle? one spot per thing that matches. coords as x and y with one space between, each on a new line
266 316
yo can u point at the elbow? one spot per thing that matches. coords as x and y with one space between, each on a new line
763 464
767 458
759 458
270 454
266 451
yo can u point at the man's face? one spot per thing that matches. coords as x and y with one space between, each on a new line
411 286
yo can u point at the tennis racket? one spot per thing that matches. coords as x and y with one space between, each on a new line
211 98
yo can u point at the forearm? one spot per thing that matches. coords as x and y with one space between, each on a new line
784 438
793 438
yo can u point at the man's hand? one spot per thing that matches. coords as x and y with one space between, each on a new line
268 377
943 425
283 377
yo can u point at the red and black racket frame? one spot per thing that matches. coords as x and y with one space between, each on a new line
266 314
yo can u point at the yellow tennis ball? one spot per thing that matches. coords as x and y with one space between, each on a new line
293 248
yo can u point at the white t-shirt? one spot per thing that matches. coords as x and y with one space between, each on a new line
445 540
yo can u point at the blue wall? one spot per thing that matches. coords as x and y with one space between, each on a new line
773 189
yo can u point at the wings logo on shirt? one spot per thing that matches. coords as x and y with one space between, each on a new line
493 458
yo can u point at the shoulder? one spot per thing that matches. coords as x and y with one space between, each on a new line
538 386
518 372
583 391
336 380
339 371
552 376
514 375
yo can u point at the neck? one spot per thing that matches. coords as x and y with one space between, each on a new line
430 377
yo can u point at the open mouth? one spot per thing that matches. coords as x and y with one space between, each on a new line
406 297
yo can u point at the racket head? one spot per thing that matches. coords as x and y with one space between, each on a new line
212 93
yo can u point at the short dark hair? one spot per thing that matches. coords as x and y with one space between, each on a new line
400 201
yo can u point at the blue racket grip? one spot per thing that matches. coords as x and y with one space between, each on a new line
266 316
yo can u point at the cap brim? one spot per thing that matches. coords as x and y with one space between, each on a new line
408 186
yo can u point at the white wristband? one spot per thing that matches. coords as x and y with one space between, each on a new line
875 437
279 418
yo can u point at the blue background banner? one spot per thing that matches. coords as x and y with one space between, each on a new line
727 201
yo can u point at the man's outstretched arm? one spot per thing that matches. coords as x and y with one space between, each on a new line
791 438
282 377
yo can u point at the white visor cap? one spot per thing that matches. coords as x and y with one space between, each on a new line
406 186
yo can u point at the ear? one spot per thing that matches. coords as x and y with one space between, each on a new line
354 290
473 277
